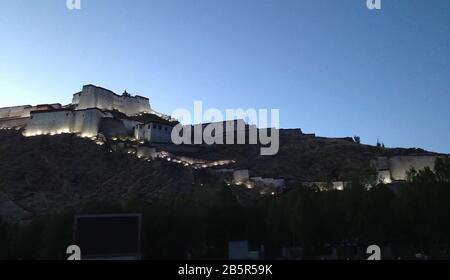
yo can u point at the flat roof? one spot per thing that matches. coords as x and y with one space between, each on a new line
146 118
112 92
18 106
63 109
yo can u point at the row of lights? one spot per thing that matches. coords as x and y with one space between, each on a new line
65 131
39 132
164 155
195 164
169 158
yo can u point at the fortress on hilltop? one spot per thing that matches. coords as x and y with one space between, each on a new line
93 110
131 125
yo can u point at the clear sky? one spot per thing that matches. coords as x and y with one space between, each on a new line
332 67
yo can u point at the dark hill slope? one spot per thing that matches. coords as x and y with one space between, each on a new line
49 173
52 173
305 158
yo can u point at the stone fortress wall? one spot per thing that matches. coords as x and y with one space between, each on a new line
16 112
399 165
96 97
83 122
18 116
25 110
153 132
395 168
13 123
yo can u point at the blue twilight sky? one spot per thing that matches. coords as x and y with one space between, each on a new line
332 67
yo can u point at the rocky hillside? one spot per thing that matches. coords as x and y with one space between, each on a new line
52 173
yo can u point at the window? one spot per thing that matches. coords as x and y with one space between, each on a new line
154 125
159 127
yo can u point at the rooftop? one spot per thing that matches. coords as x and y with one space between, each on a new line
143 118
112 92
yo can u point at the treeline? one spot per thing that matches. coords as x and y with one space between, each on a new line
415 218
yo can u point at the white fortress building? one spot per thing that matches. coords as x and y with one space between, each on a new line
96 97
93 111
98 111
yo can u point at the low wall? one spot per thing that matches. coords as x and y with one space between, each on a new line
13 123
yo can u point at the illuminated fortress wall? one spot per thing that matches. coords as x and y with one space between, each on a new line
400 165
84 122
97 97
87 122
396 168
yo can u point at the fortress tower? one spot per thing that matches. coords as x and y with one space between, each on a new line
97 97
